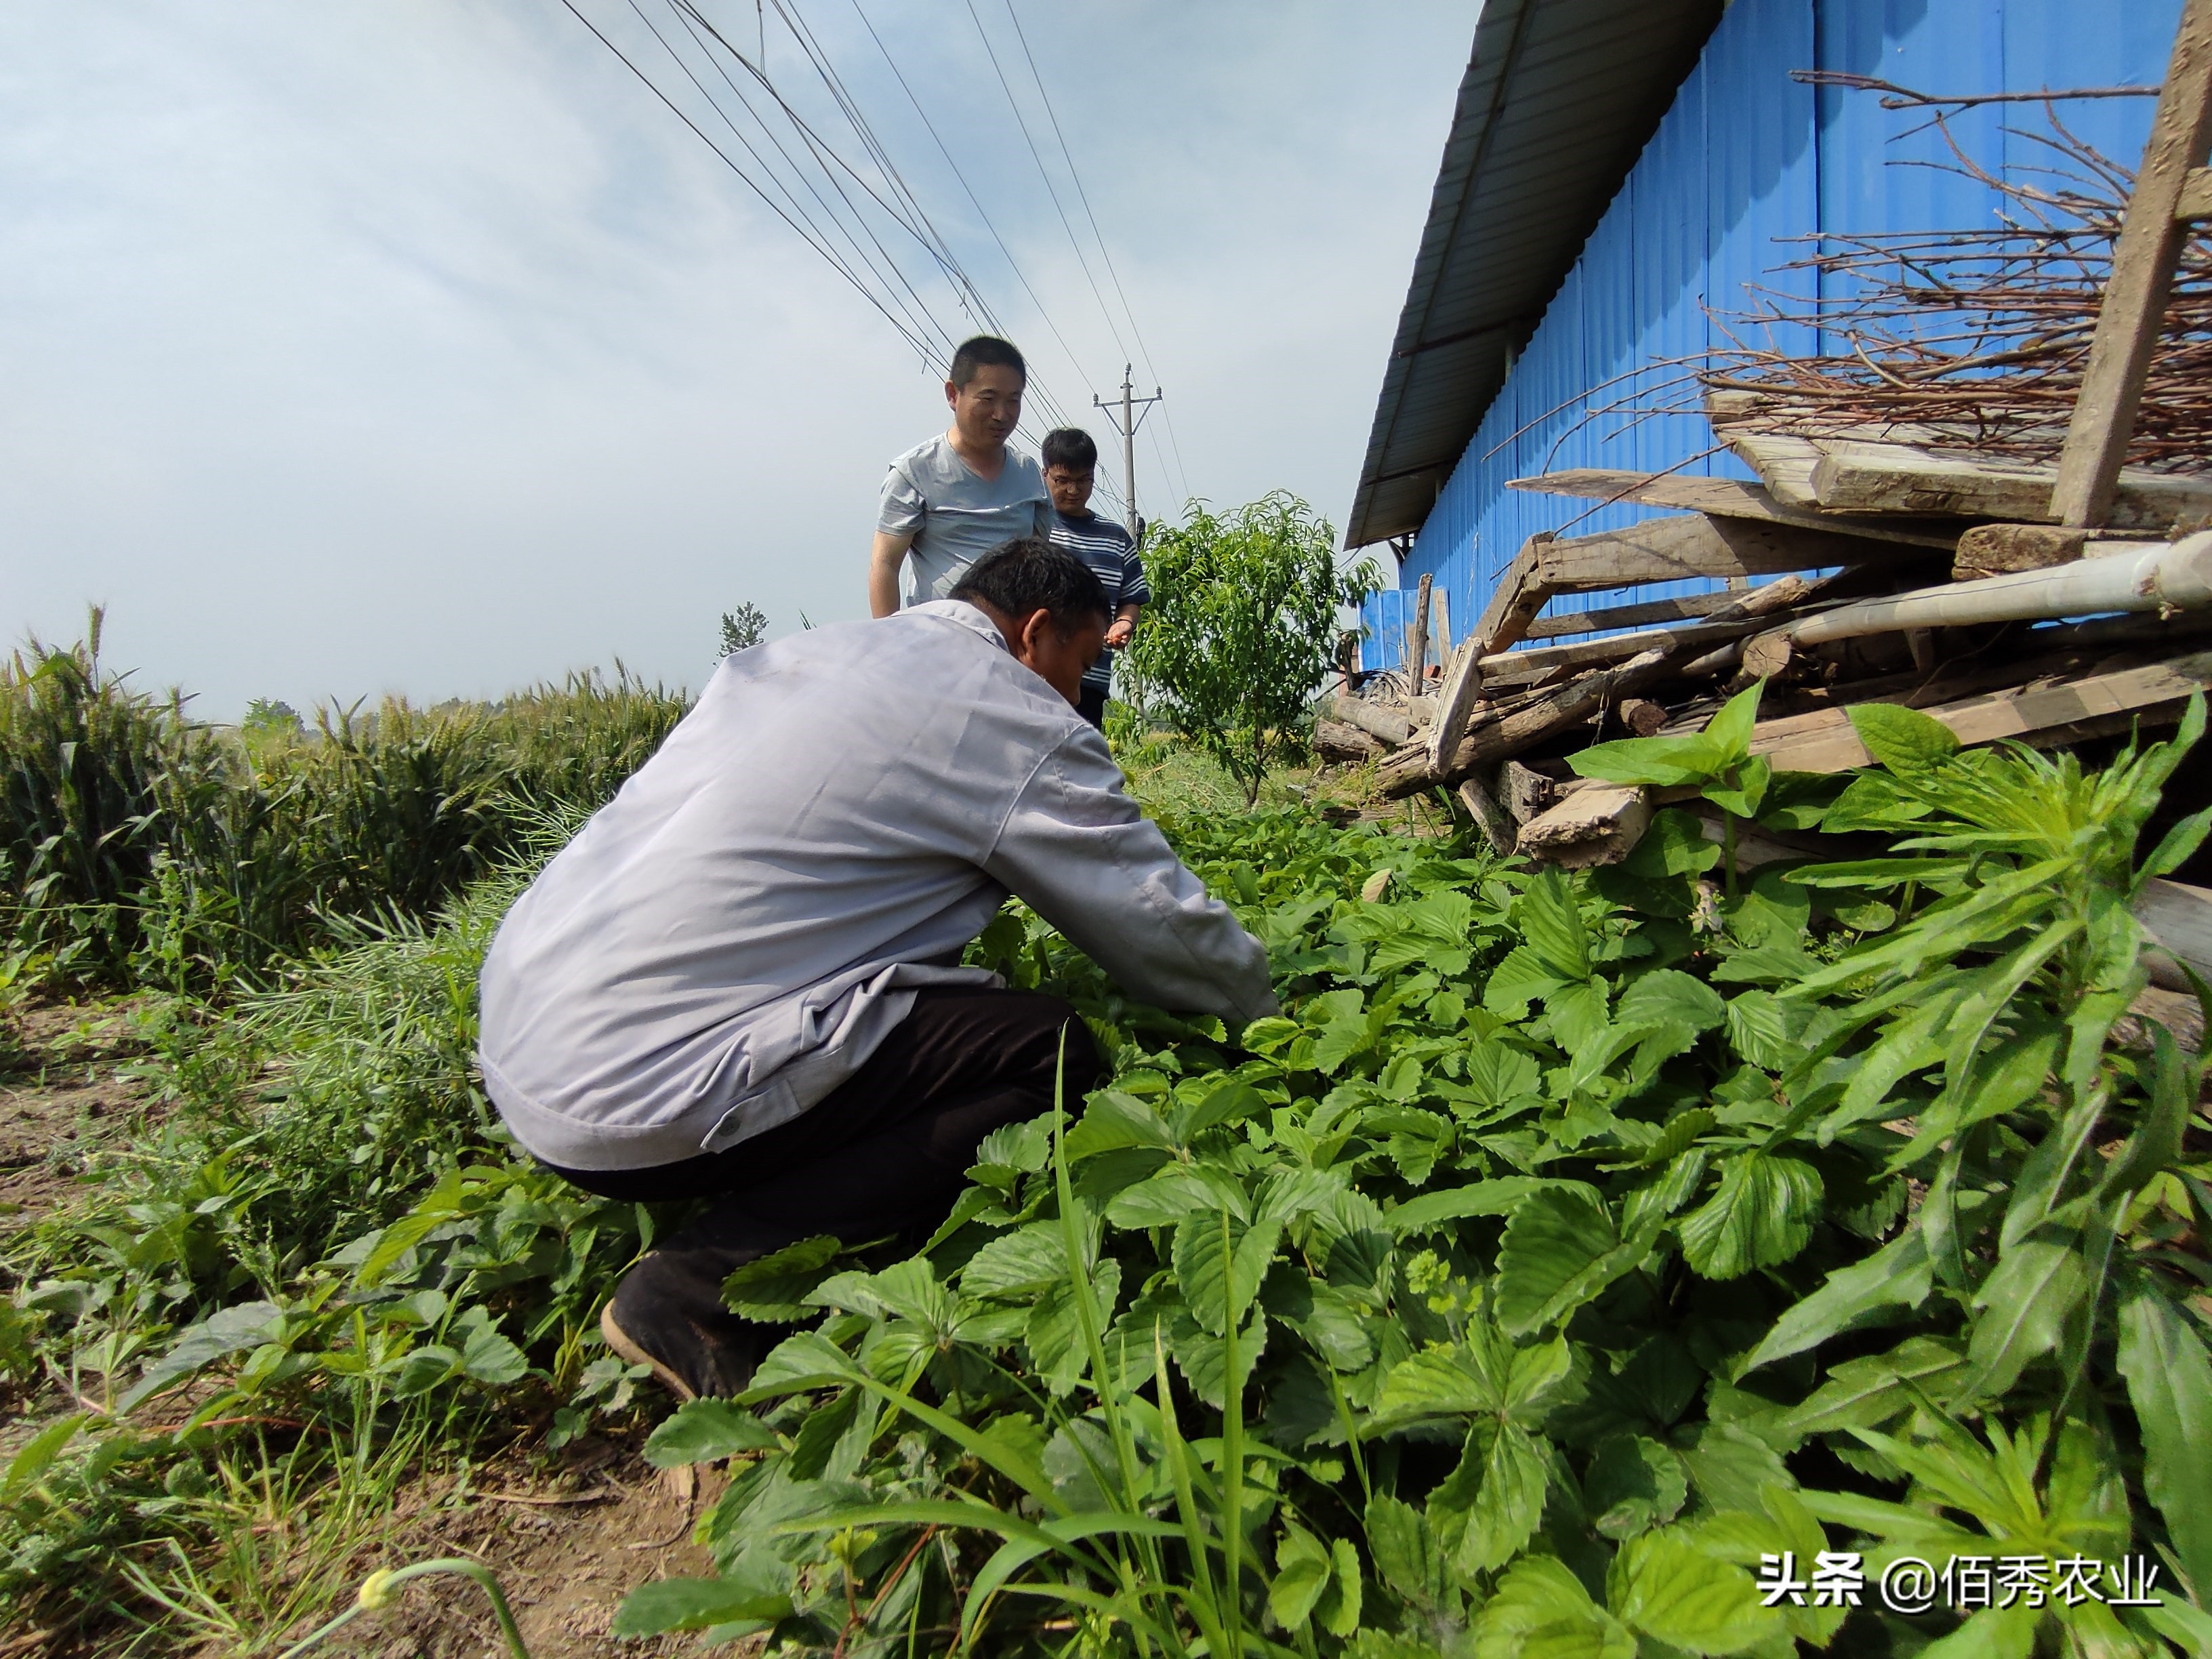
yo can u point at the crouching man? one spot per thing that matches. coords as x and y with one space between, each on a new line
741 980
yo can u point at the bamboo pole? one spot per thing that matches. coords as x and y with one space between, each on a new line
2165 576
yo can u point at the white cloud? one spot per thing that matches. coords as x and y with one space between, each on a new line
379 346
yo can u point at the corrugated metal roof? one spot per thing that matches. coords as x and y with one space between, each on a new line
1558 97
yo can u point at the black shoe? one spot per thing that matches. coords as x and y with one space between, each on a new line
668 1313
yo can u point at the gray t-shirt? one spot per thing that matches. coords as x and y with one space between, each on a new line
955 514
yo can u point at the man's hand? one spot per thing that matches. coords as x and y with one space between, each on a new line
1124 626
884 561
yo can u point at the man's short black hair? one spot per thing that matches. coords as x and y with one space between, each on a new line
986 349
1028 574
1070 448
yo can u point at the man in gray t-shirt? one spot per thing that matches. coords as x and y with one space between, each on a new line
951 500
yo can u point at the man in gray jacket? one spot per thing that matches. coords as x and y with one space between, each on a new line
741 979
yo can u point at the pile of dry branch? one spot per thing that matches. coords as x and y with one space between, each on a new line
1977 338
1944 588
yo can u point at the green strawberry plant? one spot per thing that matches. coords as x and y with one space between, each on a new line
1569 1244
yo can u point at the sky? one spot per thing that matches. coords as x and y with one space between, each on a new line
386 347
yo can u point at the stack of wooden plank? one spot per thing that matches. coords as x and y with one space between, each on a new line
1883 570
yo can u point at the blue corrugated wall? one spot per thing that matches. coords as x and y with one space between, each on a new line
1744 158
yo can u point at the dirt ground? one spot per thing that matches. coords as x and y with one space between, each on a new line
566 1550
65 1084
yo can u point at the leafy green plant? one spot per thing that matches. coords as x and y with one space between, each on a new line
1717 763
1570 1244
1243 627
1558 1254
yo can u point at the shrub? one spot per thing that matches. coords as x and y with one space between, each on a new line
1242 628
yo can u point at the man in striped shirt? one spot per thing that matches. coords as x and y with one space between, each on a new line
1071 468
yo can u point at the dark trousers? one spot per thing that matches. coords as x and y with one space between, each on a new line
1091 703
885 1152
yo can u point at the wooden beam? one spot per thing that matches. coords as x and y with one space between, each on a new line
1416 639
1994 550
1514 602
1725 498
1869 477
1526 793
1674 550
1825 742
1497 828
2134 306
1687 608
1462 685
2196 196
2179 917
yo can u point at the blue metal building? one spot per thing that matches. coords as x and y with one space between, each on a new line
1617 170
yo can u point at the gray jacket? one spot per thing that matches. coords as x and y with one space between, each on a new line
729 938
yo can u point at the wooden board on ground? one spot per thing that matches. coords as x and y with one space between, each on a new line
1865 476
1596 824
1727 498
2043 715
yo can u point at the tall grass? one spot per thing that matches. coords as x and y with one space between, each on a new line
138 845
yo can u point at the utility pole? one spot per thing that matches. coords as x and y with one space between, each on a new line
1131 416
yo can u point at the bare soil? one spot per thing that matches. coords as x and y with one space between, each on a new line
566 1548
65 1086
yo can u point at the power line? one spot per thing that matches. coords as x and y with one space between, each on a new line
1074 362
1037 156
925 322
1084 196
838 224
803 232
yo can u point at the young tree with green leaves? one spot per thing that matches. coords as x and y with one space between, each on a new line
743 628
1243 627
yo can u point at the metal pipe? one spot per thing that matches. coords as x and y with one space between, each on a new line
2165 576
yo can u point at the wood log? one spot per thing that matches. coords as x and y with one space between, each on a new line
1727 498
1993 549
1497 828
1643 717
1335 740
1596 824
1526 793
1765 655
1372 718
1416 639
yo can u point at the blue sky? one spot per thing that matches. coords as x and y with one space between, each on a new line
384 346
